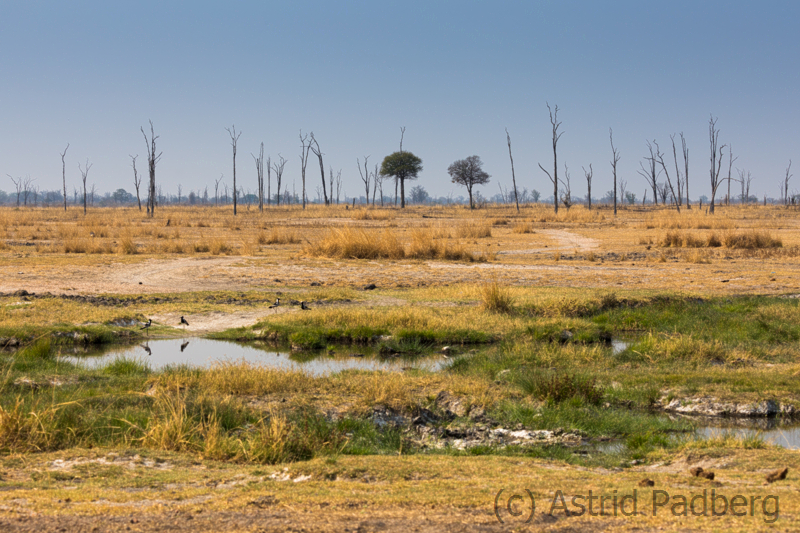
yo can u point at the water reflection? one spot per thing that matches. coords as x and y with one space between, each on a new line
205 352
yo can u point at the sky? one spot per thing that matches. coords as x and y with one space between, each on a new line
455 74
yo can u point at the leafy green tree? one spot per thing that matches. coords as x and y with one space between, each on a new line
469 173
402 166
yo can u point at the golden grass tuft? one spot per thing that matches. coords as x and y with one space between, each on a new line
751 240
278 236
353 243
522 227
496 299
747 240
474 230
126 246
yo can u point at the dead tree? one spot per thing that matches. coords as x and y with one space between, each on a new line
152 160
513 177
716 159
785 184
375 179
678 179
379 179
745 181
651 172
556 136
27 189
660 159
318 153
686 169
17 185
269 180
731 159
663 192
305 147
91 194
234 140
365 176
623 186
278 168
64 174
137 181
260 177
614 161
216 189
588 176
84 173
566 195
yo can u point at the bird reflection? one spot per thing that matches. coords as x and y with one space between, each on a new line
184 345
147 349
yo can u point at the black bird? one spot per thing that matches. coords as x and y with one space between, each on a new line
275 305
184 345
184 322
147 349
147 325
304 307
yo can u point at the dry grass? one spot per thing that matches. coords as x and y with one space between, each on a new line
474 230
371 214
353 243
751 240
747 240
522 227
496 298
278 236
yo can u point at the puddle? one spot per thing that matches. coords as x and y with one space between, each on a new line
785 435
203 353
618 346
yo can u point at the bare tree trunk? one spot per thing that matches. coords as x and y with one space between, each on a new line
152 160
260 177
730 165
614 161
269 181
64 175
513 176
278 168
660 159
303 161
686 169
556 136
375 178
650 173
786 184
716 159
589 184
234 139
318 153
678 180
137 181
364 176
84 173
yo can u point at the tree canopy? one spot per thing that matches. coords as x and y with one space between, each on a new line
402 166
469 172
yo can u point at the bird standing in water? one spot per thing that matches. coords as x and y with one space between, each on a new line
184 322
147 325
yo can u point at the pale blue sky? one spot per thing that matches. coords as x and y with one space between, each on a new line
455 74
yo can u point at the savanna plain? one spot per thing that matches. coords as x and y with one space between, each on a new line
537 356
